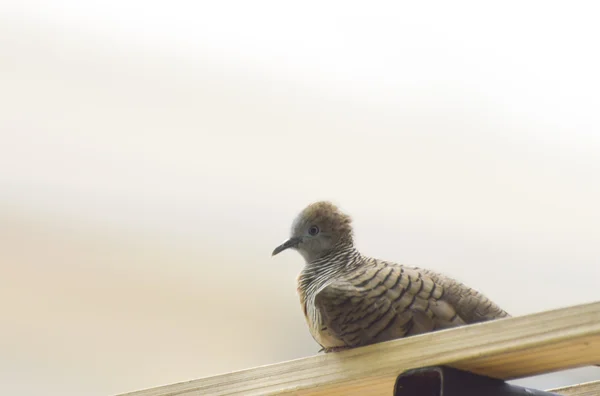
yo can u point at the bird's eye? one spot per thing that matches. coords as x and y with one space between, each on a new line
313 230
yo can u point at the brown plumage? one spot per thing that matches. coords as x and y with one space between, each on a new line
350 300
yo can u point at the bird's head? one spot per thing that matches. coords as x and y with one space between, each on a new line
318 229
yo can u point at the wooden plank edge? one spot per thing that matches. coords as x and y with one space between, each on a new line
507 348
585 389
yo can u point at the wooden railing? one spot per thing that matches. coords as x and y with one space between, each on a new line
508 349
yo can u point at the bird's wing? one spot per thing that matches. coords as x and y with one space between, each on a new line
470 305
384 301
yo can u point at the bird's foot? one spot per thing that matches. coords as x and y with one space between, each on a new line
333 349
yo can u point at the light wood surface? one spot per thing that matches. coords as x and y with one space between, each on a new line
586 389
506 348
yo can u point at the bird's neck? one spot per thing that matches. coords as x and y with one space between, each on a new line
339 258
320 271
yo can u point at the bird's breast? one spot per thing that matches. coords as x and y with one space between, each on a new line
319 330
308 288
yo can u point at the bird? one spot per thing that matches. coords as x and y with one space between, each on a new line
351 300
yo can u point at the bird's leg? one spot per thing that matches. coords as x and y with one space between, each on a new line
334 349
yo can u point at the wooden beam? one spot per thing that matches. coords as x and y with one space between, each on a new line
586 389
507 348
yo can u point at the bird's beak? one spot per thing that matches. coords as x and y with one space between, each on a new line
292 242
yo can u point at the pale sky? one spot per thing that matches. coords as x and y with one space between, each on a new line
154 153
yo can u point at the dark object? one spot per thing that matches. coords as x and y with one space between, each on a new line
446 381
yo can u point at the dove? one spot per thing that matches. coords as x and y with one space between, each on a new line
351 300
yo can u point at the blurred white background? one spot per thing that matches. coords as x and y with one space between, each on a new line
153 153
